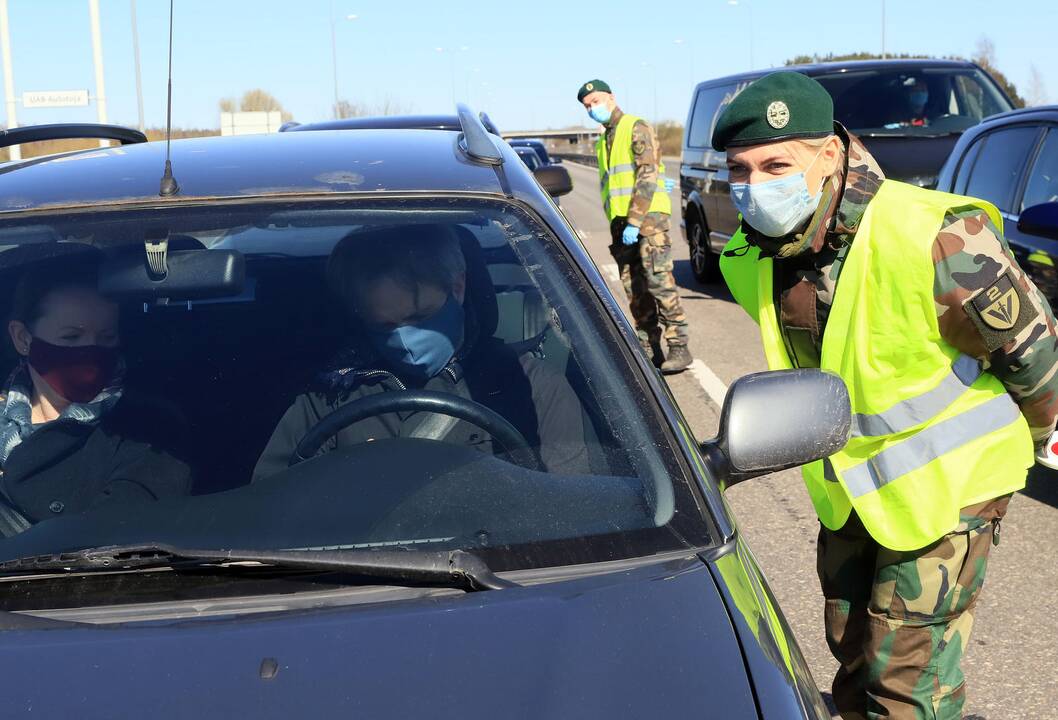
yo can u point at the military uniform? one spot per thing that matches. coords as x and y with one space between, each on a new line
898 622
646 268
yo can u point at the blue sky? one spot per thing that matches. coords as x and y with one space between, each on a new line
521 62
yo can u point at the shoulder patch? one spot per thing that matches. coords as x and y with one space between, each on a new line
638 147
1000 311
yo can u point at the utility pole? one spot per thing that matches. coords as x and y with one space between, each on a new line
14 151
97 57
136 58
883 29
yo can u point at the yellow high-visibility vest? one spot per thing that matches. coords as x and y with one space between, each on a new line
932 431
617 173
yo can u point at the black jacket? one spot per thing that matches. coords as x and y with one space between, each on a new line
65 467
537 401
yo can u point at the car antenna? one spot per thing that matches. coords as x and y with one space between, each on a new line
169 185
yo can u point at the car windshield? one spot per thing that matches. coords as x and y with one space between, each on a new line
328 374
921 101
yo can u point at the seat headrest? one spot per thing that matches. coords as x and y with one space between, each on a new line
481 295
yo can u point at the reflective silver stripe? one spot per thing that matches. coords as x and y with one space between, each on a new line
615 192
929 444
623 167
919 409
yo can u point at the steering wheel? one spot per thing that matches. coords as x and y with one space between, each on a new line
417 401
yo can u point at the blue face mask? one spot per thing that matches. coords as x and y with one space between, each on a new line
777 207
600 113
422 351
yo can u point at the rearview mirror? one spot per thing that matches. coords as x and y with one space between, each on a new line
554 179
1040 220
776 420
192 275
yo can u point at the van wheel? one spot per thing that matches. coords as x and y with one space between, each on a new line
704 264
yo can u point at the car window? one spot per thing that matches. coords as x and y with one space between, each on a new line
565 456
1000 165
1043 178
966 166
926 101
707 107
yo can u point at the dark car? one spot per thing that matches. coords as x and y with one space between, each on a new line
404 575
529 157
538 147
1011 160
909 114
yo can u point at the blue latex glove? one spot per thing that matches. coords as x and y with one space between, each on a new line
669 184
630 236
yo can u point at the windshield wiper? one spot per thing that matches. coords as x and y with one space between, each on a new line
448 568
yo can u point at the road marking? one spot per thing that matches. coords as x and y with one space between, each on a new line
584 234
611 272
714 387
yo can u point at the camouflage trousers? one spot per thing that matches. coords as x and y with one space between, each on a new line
646 273
899 622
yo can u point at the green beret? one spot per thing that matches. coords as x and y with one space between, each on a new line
592 86
778 106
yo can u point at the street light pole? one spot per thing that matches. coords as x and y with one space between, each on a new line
883 29
97 58
14 152
749 7
334 61
334 55
136 58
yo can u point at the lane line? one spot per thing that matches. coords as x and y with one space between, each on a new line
611 272
714 387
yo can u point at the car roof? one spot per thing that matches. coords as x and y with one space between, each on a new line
821 68
1039 112
287 163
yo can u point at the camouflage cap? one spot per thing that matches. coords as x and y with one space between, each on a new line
592 86
778 106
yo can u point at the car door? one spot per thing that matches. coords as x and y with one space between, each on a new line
704 172
1041 186
1012 168
724 221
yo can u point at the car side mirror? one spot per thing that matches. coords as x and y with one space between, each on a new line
777 420
554 179
1040 220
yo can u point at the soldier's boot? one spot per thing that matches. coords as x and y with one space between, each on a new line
679 359
653 350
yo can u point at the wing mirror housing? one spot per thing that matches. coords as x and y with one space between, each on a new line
1040 220
777 420
554 179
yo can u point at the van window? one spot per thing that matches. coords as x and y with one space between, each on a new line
1000 164
707 107
1043 180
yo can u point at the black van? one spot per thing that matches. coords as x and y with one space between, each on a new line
872 98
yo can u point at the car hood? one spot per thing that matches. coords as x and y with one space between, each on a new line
651 641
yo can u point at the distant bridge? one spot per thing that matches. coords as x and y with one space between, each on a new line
578 141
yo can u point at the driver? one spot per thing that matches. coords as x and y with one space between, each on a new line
916 95
404 291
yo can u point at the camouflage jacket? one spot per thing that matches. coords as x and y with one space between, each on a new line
646 153
970 258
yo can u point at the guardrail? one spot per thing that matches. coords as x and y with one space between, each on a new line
581 158
671 161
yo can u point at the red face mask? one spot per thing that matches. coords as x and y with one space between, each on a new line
77 373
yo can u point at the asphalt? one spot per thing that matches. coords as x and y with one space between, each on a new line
1012 662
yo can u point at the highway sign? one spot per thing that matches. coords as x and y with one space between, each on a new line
55 98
